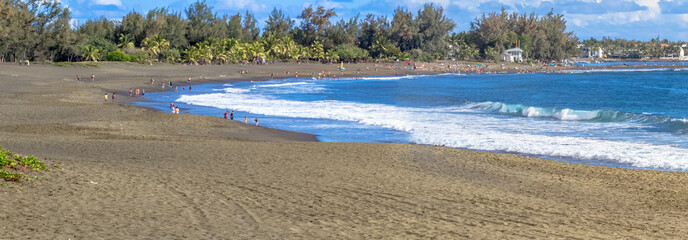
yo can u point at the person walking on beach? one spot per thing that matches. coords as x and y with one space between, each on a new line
78 78
143 92
245 119
130 91
231 116
113 97
105 97
152 81
226 114
93 77
256 120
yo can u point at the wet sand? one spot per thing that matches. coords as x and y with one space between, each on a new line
135 173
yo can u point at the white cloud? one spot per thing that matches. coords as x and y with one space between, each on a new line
250 5
652 13
73 23
472 5
418 3
330 4
117 3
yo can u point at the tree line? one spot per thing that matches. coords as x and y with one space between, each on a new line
40 30
632 49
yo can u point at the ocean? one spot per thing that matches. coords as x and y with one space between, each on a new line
622 118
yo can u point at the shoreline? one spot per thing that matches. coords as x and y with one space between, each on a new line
129 172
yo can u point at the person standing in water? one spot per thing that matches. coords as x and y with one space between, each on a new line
256 120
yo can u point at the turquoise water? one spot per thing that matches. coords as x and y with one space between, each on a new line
621 118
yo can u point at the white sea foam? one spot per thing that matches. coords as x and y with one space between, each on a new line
281 87
621 70
284 84
458 127
391 78
235 90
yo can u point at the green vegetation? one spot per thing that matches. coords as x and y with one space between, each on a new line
621 48
11 176
16 163
39 30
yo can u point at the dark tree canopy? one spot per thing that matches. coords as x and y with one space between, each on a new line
42 30
278 24
201 19
313 24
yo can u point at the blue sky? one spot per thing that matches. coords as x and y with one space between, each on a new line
629 19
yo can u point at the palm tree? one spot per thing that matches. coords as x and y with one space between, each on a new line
296 53
238 52
331 56
125 41
254 51
404 56
316 50
382 47
161 42
269 44
191 55
92 53
155 45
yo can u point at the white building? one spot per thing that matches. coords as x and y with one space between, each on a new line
513 55
599 53
682 54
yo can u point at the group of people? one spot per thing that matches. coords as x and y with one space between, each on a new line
93 78
230 116
170 85
137 93
112 97
175 109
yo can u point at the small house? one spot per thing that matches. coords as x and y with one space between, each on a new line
599 53
513 55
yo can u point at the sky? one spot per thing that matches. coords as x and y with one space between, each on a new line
628 19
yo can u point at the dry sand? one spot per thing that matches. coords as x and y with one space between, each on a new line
133 173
